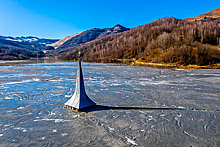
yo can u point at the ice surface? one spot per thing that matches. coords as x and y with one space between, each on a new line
32 98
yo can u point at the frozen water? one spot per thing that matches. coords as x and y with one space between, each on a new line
32 98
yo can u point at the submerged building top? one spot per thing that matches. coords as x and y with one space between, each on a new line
79 99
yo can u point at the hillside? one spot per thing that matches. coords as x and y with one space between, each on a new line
63 40
14 48
70 42
214 15
166 40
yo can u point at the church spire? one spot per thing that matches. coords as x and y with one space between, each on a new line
79 99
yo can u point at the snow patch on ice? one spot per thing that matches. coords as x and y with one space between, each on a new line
179 69
64 134
34 79
24 81
59 87
68 95
130 141
1 135
20 108
180 107
8 98
115 84
7 125
54 131
18 128
75 116
52 113
24 130
111 129
178 116
55 120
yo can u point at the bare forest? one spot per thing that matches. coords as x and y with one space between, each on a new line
166 40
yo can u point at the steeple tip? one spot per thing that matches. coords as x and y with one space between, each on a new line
79 99
79 54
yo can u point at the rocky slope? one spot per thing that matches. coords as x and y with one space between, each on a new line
70 42
62 41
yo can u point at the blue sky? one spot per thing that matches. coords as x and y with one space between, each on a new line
59 18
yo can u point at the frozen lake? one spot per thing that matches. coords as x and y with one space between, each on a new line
32 113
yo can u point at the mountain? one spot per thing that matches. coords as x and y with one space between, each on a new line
214 15
166 40
63 40
68 43
13 48
30 40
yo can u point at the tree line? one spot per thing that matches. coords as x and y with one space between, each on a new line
166 40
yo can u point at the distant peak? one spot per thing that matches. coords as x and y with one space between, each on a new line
118 25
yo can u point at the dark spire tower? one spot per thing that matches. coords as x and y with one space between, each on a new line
79 100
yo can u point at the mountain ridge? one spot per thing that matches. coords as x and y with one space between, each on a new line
84 37
63 40
18 48
166 40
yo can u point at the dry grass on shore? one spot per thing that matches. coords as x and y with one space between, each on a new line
175 66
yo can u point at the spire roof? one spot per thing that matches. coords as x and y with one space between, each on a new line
79 99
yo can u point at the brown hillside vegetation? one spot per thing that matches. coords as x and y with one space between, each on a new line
214 14
69 43
166 40
63 40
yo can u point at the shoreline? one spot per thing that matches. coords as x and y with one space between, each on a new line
131 62
134 62
28 61
175 66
